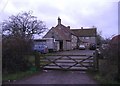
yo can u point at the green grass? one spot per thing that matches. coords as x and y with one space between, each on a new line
17 76
20 75
101 79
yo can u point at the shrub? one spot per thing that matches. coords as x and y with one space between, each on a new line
13 54
110 66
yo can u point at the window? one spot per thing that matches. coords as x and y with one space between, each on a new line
86 37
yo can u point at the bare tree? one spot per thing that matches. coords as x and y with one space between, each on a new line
24 25
99 38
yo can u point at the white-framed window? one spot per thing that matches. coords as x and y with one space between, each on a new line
87 37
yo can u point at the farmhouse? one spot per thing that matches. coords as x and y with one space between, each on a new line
68 39
85 36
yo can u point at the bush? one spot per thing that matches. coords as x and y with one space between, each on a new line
13 54
109 65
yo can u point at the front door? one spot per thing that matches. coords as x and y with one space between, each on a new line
61 45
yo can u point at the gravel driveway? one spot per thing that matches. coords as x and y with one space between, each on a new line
58 77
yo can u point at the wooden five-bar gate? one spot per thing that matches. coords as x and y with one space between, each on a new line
69 62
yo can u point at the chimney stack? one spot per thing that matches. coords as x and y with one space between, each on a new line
59 21
68 27
81 27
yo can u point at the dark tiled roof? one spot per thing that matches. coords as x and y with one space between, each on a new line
89 32
60 32
64 31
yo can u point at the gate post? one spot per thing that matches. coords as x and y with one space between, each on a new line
96 62
37 60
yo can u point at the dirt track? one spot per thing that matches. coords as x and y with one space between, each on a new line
58 77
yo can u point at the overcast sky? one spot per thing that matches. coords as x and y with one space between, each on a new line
102 14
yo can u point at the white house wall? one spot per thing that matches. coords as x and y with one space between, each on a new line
88 39
57 45
73 42
64 45
68 45
50 43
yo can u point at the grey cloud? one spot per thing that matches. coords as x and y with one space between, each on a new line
104 18
48 10
20 3
75 13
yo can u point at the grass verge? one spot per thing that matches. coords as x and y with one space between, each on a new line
19 75
101 79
